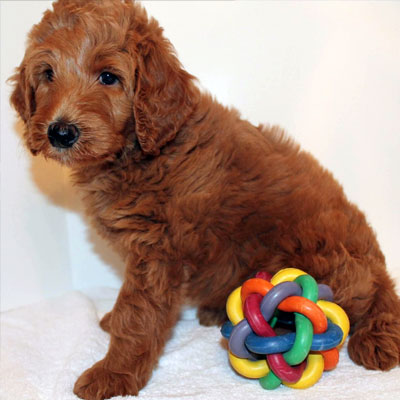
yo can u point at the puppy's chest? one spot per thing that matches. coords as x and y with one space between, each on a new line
126 213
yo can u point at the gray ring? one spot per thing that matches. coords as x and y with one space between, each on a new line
237 338
276 295
324 292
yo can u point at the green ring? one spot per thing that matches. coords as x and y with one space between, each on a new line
309 286
270 381
304 328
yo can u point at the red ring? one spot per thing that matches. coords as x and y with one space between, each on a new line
261 327
264 275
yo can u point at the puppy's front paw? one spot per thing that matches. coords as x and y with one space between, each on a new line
376 343
105 322
98 383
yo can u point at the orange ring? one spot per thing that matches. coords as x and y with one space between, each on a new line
307 308
331 358
255 285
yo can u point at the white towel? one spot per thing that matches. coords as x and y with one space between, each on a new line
45 347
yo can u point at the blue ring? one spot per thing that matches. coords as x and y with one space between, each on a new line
279 344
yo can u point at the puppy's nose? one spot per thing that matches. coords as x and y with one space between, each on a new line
62 135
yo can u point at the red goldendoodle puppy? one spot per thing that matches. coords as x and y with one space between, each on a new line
194 198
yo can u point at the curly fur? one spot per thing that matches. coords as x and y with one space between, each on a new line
194 198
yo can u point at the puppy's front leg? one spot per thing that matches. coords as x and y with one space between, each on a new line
140 323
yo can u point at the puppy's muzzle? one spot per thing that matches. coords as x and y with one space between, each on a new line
62 135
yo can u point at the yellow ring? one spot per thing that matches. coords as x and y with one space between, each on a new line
234 306
247 368
337 315
312 373
286 274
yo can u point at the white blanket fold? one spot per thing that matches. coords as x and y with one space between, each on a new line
45 346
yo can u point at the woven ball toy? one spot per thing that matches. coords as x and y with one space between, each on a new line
292 300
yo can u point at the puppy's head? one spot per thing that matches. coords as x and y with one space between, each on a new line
98 75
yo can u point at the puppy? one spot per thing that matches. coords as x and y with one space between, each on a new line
194 198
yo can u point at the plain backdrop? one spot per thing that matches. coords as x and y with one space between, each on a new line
328 72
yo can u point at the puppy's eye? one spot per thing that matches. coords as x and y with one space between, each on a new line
107 78
49 74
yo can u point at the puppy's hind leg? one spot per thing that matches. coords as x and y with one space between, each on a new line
375 343
212 304
209 316
344 254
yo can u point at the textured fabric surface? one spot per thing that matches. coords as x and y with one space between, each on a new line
45 346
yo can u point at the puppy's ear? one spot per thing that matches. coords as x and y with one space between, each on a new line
23 95
164 94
